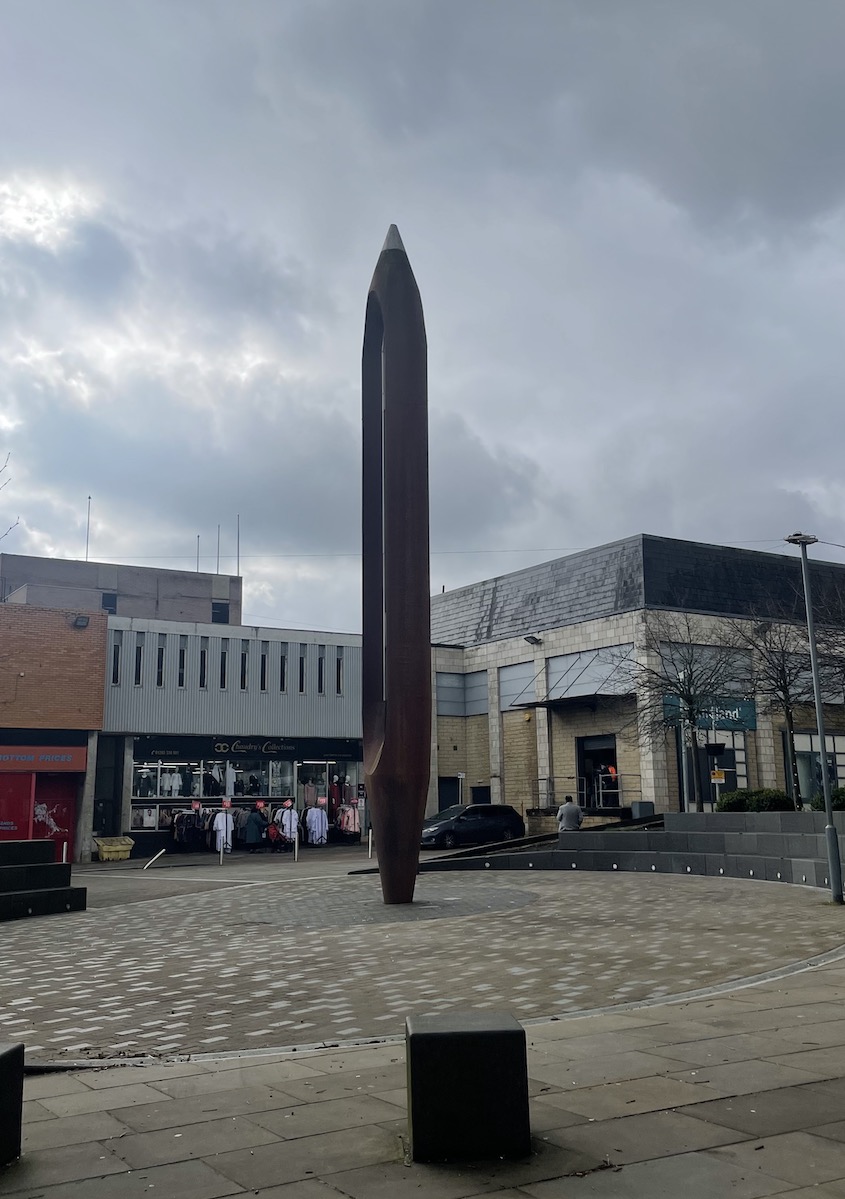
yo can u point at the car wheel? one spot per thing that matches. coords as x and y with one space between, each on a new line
449 840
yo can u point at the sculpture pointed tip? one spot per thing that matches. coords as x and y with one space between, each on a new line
393 241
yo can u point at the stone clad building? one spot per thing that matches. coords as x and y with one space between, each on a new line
533 677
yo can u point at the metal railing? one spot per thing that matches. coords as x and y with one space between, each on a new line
591 791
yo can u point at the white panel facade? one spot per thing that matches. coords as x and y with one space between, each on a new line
171 677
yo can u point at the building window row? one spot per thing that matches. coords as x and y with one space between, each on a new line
223 674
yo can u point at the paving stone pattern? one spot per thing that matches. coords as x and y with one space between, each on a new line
273 963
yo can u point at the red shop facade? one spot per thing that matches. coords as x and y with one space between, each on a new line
41 780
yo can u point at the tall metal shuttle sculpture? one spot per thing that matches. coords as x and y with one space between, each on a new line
397 639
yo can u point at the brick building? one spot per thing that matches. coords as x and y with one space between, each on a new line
52 665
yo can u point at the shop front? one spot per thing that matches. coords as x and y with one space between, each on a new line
40 787
175 775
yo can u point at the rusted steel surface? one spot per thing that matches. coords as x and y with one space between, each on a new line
396 667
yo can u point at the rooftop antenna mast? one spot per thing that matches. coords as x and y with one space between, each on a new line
88 529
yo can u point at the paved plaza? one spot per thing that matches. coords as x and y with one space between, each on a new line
265 953
738 1092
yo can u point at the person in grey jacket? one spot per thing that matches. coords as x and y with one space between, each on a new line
569 816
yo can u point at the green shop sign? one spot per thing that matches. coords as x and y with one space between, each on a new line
731 714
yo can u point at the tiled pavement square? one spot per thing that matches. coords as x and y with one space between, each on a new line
100 1101
823 1063
771 1112
71 1130
641 1138
207 1139
53 1166
739 1078
630 1098
246 1101
343 1086
288 1161
598 1069
184 1180
309 1119
690 1175
797 1157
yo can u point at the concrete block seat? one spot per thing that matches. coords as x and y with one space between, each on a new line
11 1102
467 1078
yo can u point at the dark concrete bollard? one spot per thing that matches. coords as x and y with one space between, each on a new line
467 1087
11 1102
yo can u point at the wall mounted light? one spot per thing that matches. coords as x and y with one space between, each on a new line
533 639
81 622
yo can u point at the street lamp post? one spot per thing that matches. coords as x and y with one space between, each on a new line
834 866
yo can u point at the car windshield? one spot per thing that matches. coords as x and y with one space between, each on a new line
446 814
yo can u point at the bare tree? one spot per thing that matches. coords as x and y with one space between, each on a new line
780 674
4 482
680 679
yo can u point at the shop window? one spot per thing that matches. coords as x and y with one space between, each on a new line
109 603
283 667
117 646
338 677
139 659
183 654
809 763
162 643
224 660
303 651
262 678
244 665
203 663
321 670
219 612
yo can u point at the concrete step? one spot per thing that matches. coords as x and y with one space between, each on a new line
44 876
26 853
18 904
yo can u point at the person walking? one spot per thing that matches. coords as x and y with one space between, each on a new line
255 829
569 816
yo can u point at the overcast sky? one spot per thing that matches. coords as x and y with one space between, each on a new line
626 219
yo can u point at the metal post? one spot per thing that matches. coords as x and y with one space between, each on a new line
834 865
198 553
370 843
88 529
684 767
296 842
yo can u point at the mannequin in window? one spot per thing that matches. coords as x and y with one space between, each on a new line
334 797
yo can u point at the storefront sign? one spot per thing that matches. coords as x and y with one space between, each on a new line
196 805
259 803
227 803
730 714
53 758
717 776
209 749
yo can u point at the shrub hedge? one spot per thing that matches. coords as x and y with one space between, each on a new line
837 801
765 800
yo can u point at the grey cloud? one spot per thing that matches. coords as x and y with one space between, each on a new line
94 268
615 212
